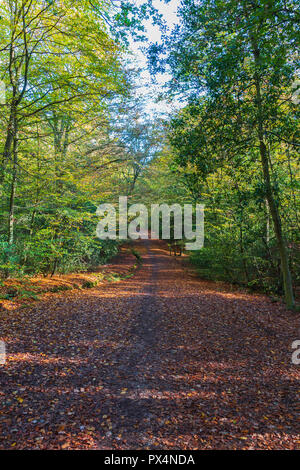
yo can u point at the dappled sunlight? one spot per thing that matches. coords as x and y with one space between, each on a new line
41 359
155 360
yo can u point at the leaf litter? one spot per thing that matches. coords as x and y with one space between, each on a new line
159 360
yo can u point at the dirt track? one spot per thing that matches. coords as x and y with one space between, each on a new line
162 360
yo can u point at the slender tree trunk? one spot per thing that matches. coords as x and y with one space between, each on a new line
267 222
241 225
11 216
6 156
54 267
242 250
287 278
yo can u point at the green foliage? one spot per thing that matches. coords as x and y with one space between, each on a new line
9 259
234 143
137 255
58 154
89 284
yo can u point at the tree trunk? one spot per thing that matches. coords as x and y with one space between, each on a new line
242 250
11 217
287 278
7 146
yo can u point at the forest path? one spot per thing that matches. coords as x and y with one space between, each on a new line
160 360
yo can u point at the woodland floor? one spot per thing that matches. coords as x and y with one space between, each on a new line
159 360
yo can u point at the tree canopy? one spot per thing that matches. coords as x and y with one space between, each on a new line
74 134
